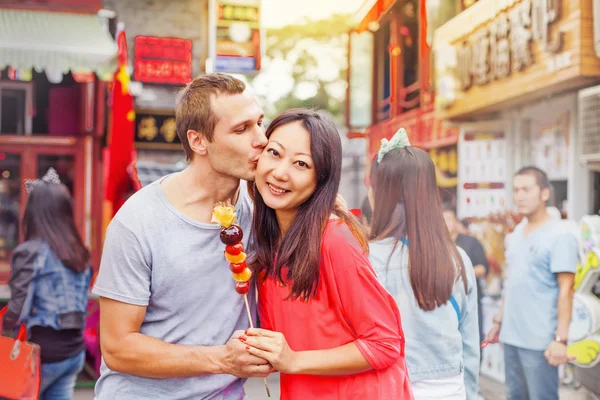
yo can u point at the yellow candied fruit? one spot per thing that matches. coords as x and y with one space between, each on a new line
243 276
223 214
240 258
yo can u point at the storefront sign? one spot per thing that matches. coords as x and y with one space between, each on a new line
238 36
156 129
511 51
504 45
483 173
162 60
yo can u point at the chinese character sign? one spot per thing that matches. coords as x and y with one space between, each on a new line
162 60
503 45
238 46
155 127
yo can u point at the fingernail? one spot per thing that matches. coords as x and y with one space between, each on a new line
246 332
242 338
247 347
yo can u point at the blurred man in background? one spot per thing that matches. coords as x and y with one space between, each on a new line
533 324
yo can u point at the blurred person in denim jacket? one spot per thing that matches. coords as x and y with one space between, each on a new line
431 279
49 286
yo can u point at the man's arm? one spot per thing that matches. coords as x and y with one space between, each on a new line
563 263
479 260
565 302
556 353
480 271
127 351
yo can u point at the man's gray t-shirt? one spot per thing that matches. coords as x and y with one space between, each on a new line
155 256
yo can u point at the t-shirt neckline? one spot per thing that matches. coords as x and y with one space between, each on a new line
185 218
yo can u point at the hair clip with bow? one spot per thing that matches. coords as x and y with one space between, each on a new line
398 141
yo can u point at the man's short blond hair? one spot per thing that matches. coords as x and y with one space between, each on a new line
193 110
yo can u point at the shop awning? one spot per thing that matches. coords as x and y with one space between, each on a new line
56 42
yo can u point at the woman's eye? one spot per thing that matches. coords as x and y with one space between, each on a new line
273 152
302 164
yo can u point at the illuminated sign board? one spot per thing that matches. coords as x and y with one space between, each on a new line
162 60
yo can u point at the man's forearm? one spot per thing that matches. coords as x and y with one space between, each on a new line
480 271
565 307
141 355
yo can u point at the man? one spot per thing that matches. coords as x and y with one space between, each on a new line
170 317
474 250
541 255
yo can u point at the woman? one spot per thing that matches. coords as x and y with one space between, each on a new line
432 281
330 328
49 285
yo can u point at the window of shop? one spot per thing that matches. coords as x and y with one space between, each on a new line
14 100
546 141
383 71
438 13
10 204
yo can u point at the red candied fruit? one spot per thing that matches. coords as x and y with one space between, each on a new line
242 287
237 268
235 249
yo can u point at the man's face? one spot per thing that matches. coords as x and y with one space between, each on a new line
451 221
239 136
527 195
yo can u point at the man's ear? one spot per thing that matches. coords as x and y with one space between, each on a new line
197 142
545 194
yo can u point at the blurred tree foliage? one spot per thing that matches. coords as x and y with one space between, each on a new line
309 48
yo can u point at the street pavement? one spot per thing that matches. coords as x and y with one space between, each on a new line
255 389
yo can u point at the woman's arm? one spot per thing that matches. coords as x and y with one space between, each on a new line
273 347
469 330
361 303
20 283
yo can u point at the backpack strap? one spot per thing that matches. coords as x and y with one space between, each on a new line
455 306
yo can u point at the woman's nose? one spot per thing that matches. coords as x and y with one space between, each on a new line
280 171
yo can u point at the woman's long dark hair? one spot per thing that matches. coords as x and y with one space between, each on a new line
407 204
299 251
49 216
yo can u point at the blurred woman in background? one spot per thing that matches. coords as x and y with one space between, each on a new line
49 285
432 280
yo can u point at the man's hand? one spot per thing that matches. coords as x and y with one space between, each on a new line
556 354
494 334
239 362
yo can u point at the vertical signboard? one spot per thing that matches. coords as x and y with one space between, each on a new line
238 35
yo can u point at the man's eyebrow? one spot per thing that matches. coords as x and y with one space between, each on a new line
248 121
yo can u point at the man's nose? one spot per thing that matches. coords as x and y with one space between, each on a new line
260 139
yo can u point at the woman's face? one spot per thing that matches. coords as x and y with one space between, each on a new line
285 175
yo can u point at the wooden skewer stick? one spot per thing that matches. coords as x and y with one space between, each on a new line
252 326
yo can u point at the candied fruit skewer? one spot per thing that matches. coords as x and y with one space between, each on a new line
231 235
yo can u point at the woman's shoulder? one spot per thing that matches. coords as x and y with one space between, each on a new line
340 246
27 251
338 234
